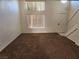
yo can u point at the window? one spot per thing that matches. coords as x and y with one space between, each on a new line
35 14
35 6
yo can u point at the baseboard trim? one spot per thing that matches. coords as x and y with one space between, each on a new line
5 45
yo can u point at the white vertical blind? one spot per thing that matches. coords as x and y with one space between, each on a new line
36 17
35 6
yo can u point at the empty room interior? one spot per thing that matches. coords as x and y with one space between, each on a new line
39 29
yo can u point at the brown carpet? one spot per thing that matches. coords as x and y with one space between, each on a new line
41 46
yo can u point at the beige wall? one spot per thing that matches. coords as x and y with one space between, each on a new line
9 22
55 13
22 15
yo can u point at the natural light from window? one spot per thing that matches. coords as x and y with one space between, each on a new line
35 14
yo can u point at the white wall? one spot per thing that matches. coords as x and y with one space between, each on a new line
9 22
74 6
75 37
55 12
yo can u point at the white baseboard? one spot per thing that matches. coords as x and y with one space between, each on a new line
41 30
73 34
7 43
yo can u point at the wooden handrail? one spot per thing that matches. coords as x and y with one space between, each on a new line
72 32
59 23
73 16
